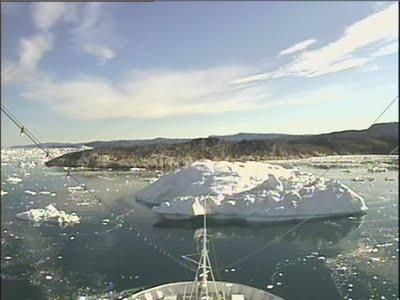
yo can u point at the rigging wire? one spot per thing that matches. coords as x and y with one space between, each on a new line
306 219
387 107
40 145
48 154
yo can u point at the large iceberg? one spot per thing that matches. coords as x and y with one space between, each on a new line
253 191
49 214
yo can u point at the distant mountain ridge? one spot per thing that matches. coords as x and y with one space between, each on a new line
379 129
378 139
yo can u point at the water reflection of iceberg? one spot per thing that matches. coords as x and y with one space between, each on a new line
332 230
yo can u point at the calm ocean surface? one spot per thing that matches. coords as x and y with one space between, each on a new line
348 258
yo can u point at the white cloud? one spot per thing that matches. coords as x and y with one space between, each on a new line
94 32
340 66
31 51
102 52
323 94
90 27
387 49
297 47
370 68
341 54
149 94
46 14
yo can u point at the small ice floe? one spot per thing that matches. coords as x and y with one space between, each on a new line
75 188
358 179
13 180
136 169
49 214
3 193
362 179
29 192
270 286
377 169
83 203
44 193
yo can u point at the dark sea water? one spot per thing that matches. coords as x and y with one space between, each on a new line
348 258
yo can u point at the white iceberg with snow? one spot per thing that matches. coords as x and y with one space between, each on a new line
49 214
253 191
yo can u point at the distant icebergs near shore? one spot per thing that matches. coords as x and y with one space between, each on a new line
253 191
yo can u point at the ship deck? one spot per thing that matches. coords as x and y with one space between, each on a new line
217 291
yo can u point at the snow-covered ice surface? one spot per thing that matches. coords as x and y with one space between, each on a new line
254 191
50 214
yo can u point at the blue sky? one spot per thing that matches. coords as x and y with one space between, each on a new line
87 71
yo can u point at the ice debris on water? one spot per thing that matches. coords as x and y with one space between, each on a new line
29 192
13 180
377 169
49 214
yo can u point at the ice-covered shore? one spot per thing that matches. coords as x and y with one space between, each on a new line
253 191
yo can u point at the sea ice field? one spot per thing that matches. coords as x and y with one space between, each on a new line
122 244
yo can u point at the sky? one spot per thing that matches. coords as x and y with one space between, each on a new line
74 72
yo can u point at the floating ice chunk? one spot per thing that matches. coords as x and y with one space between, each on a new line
49 214
270 286
362 179
252 191
136 169
75 188
378 169
13 180
3 193
29 192
206 177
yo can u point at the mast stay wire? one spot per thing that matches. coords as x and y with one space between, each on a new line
40 145
375 120
245 257
48 154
